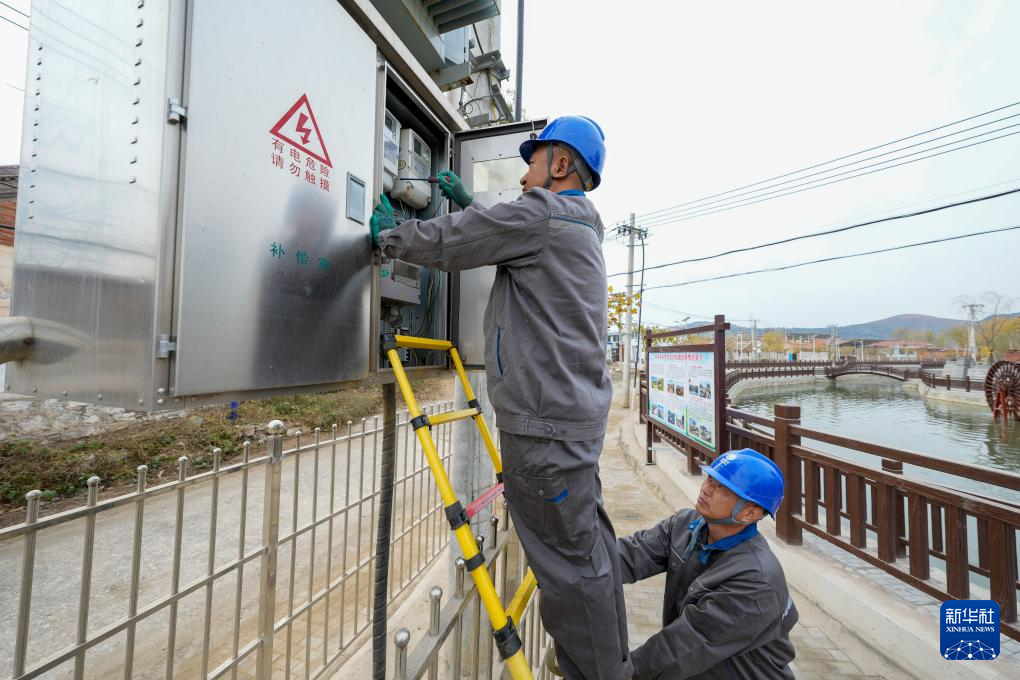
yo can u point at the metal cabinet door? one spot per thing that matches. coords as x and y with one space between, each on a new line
274 266
490 165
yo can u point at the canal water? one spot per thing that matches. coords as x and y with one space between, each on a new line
885 412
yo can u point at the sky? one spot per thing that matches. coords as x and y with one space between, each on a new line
699 98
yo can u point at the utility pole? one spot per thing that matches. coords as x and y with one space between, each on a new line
629 302
632 232
519 87
972 312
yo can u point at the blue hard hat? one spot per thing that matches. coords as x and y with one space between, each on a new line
751 476
581 134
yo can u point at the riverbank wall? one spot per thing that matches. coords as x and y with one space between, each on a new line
752 383
976 397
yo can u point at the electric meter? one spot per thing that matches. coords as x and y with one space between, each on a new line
415 161
391 150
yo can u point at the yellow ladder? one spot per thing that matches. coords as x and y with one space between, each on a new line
508 642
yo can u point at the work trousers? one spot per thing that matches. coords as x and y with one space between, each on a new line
555 498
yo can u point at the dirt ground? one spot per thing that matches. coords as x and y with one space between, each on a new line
61 469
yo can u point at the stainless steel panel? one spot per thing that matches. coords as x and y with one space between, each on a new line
274 278
89 240
486 159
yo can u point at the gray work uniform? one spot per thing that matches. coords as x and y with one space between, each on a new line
545 340
727 618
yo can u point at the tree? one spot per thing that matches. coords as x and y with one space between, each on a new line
993 332
618 304
956 337
773 342
902 334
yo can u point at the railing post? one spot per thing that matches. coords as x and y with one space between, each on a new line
957 554
401 640
917 508
693 469
27 573
786 528
649 442
885 521
458 631
435 598
1002 580
899 516
270 544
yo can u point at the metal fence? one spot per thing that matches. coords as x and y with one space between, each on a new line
458 642
254 569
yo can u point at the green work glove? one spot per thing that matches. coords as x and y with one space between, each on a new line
382 219
453 188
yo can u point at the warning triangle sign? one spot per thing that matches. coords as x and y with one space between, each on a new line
299 128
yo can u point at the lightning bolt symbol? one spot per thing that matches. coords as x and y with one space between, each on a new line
305 131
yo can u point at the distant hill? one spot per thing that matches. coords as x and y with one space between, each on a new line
883 329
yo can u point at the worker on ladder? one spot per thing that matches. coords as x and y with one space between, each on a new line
545 330
726 609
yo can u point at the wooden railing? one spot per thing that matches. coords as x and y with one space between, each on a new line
873 369
771 371
897 522
947 383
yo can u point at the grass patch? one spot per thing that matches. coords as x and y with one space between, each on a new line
61 470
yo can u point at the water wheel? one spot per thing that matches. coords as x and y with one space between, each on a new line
1002 389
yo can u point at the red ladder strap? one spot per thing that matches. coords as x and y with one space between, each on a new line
485 500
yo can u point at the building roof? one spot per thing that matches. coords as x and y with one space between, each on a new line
8 182
8 201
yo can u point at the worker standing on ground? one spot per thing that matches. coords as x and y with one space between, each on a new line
545 340
726 611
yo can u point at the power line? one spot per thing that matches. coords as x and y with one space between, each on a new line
837 230
13 23
837 257
15 87
779 188
784 192
15 9
834 160
753 200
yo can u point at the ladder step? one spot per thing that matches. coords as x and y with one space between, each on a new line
453 416
517 605
484 501
421 343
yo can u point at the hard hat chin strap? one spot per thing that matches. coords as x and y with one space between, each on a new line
732 519
576 166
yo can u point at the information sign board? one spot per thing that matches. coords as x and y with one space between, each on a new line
682 394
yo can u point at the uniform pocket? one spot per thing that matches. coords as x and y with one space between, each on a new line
499 349
560 508
534 494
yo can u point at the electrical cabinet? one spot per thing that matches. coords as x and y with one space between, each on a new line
195 211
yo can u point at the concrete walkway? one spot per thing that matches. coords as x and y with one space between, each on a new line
634 505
